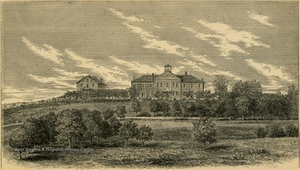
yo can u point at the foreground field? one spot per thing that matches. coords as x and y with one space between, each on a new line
172 145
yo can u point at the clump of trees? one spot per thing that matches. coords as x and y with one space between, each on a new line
274 130
78 128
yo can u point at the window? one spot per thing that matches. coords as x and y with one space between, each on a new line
157 84
173 84
87 85
150 85
142 94
167 84
176 84
143 85
81 85
160 84
191 85
92 84
176 93
87 80
199 85
184 85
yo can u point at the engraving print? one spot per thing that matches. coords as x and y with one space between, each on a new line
142 84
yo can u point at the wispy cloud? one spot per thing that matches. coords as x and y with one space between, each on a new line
46 51
114 75
260 18
226 39
270 71
121 16
61 81
143 68
67 73
153 42
12 95
197 67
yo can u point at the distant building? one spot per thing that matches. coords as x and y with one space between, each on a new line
168 85
90 82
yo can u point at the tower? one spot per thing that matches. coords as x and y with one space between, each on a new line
168 68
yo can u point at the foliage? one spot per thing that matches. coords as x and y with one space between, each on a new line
291 130
275 130
165 108
220 85
145 134
70 126
108 113
261 132
136 106
177 109
128 131
121 111
204 131
20 140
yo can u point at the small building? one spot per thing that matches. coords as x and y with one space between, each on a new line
168 85
90 82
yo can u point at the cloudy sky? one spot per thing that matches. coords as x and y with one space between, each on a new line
48 46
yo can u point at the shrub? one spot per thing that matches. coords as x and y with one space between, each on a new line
261 132
144 114
204 131
291 130
275 131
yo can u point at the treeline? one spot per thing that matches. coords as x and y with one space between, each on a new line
78 128
94 95
246 100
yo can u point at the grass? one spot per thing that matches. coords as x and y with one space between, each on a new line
173 145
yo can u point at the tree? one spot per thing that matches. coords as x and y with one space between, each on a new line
70 126
242 105
165 108
145 134
220 85
188 94
159 94
108 113
48 123
154 106
92 128
293 101
133 92
136 106
19 141
121 111
204 131
128 131
177 109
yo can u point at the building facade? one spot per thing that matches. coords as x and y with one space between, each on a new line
167 85
90 82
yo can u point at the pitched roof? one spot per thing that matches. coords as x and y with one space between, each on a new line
189 79
145 78
184 79
93 78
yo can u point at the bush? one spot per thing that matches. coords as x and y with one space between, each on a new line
261 132
291 130
144 114
275 131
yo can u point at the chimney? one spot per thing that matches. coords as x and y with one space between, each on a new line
153 76
185 73
133 78
101 80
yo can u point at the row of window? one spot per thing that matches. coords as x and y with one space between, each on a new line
167 85
87 85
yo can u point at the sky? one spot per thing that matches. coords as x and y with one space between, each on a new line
48 46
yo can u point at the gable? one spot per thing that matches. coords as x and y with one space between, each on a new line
167 76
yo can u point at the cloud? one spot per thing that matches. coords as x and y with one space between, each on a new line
260 18
121 16
61 81
114 75
68 74
12 95
270 71
153 42
197 67
226 39
143 68
47 52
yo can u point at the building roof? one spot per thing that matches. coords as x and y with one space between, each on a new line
184 79
189 79
145 78
93 78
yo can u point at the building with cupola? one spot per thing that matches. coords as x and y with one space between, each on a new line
167 85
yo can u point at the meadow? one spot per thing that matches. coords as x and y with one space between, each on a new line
173 145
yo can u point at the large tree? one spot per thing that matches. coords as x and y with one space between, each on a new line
128 131
204 131
220 85
145 134
136 106
70 126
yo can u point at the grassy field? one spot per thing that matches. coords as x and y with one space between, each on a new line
173 145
